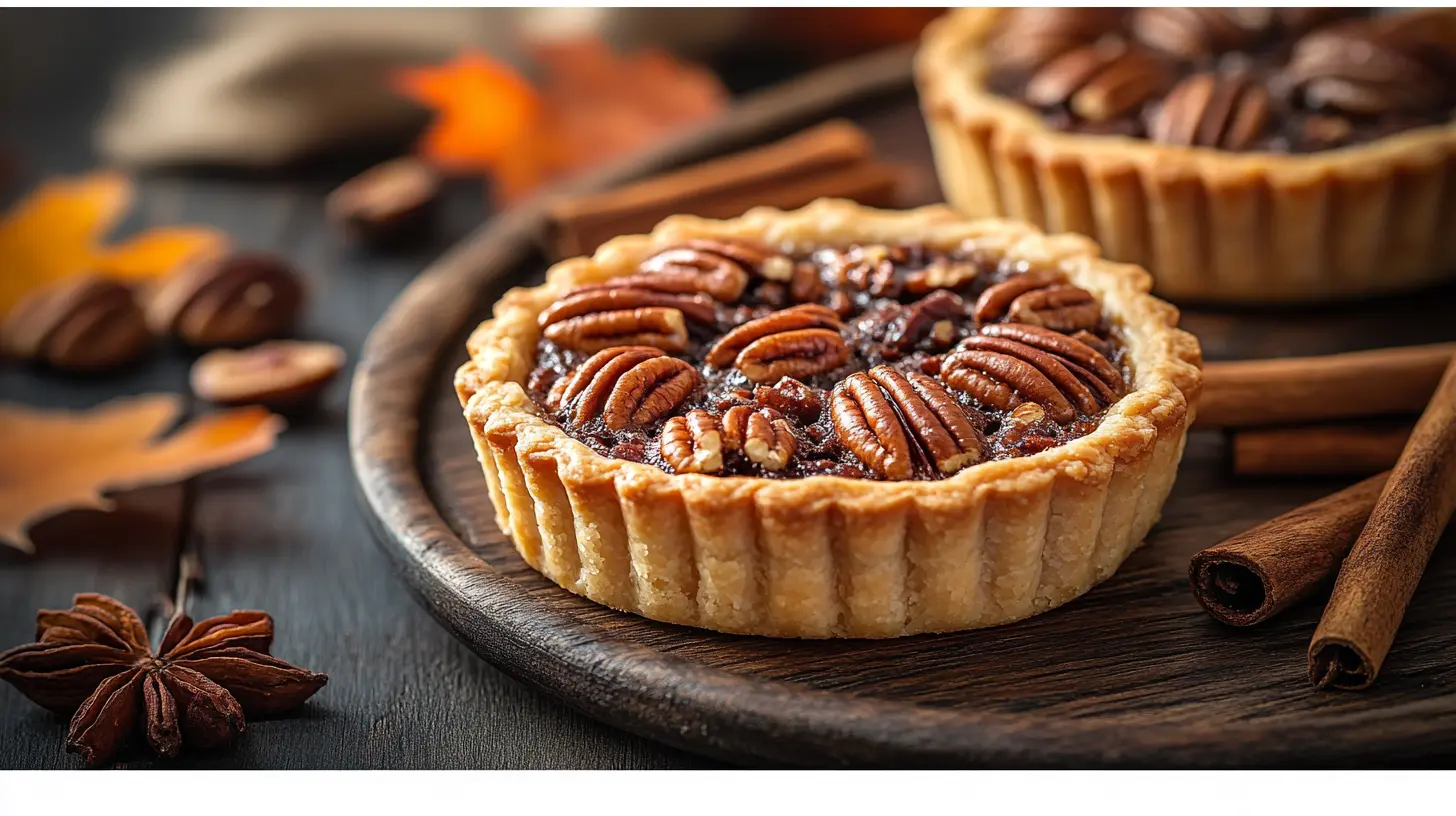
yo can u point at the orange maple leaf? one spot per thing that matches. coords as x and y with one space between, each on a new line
58 460
56 232
592 106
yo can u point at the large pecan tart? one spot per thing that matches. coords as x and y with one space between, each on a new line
1238 154
833 422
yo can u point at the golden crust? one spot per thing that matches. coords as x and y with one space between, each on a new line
1211 225
828 556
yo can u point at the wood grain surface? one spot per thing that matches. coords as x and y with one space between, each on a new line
1135 673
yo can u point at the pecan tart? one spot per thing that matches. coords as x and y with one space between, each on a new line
832 422
1238 154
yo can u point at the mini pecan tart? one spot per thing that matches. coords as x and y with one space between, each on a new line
1251 155
832 422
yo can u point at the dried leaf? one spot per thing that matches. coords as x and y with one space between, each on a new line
56 460
592 107
56 232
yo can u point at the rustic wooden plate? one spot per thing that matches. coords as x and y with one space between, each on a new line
1133 674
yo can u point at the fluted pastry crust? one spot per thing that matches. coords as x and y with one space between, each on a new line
828 556
1211 225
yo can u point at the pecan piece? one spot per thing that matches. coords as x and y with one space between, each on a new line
935 419
1099 82
791 397
1041 297
925 316
650 326
1212 110
805 316
866 424
693 443
763 435
869 268
941 273
799 353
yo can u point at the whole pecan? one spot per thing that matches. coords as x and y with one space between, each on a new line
866 423
762 434
1360 68
234 299
1027 38
932 415
83 323
1010 363
1212 110
791 397
1100 82
693 443
1041 297
1194 33
921 317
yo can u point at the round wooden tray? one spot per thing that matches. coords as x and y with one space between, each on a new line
1133 674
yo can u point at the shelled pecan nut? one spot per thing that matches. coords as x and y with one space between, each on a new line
866 424
761 434
685 269
233 299
1212 110
998 379
1361 69
693 443
1190 33
656 326
1042 298
805 316
942 273
922 316
935 419
1030 37
869 268
587 388
612 298
790 397
1101 81
649 391
710 254
1085 361
798 353
84 323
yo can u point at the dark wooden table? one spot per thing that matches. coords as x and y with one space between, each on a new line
281 533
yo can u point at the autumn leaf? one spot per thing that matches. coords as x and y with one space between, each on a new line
56 232
592 106
59 460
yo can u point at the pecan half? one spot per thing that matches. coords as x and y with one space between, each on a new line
1100 82
1212 110
799 353
613 297
1082 359
1359 68
587 388
648 392
933 416
688 268
866 424
997 379
806 316
1027 38
763 435
791 397
710 254
1190 33
1041 297
649 326
921 318
693 443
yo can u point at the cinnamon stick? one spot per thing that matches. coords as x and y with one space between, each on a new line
835 160
1385 564
1343 449
1300 390
1259 573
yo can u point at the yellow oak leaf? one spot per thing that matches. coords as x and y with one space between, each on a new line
52 461
56 232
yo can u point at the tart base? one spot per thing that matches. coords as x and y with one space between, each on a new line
826 556
1211 225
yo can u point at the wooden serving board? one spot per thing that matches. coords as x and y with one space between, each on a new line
1132 674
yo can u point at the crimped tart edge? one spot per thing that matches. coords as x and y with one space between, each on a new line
1359 220
827 556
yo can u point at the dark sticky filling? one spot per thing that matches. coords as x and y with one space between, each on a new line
884 322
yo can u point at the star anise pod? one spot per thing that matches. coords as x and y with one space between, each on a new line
95 659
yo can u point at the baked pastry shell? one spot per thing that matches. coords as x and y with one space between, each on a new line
1212 225
828 556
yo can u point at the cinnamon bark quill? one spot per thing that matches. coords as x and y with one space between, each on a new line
1261 572
1326 449
1380 574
